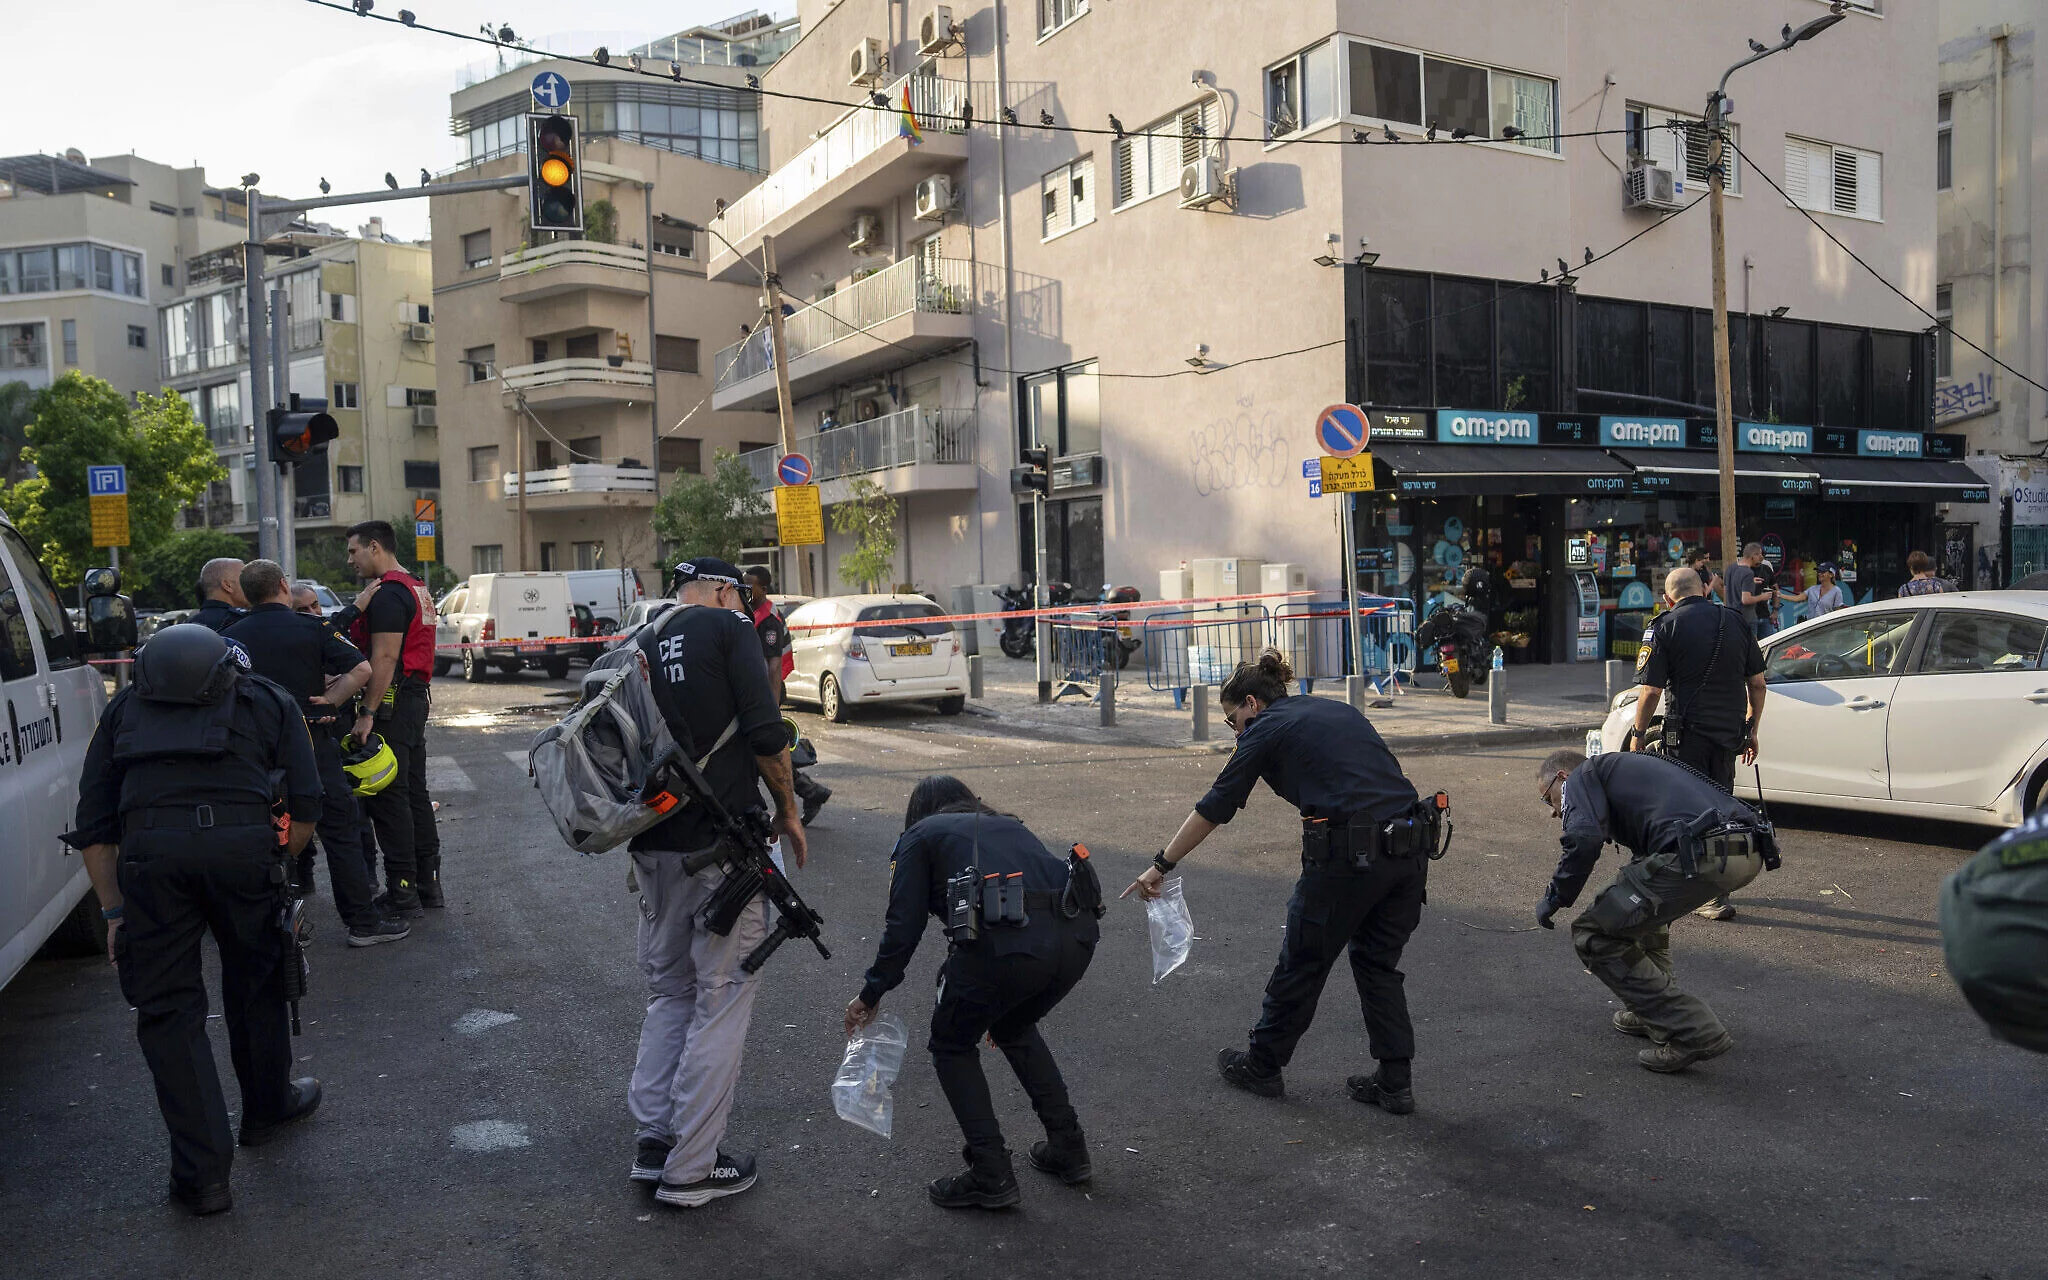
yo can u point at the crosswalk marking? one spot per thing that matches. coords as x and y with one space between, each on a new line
909 743
443 775
518 758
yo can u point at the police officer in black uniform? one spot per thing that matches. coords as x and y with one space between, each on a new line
220 594
1366 844
180 836
322 672
1032 941
1688 840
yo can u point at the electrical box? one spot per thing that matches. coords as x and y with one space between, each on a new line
1176 584
1232 576
1279 579
978 637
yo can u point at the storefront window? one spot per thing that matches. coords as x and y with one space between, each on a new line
1611 342
1397 338
1464 343
1788 371
1670 354
1628 546
1891 382
1528 349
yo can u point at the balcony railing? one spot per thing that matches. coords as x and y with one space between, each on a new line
581 477
230 435
898 439
941 287
559 373
212 515
219 356
318 506
572 253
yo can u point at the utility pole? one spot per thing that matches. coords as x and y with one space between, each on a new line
771 284
519 470
283 474
653 362
256 334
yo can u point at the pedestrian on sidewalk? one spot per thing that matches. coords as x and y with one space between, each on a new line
1824 596
1923 582
1702 564
1750 589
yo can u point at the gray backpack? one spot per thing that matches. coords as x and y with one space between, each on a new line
592 768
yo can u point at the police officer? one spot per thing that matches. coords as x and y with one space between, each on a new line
1994 931
1688 840
705 670
1701 664
176 822
221 603
775 644
322 671
1365 845
998 983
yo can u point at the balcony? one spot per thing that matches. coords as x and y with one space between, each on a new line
914 450
902 311
582 485
860 162
178 364
213 515
567 384
565 266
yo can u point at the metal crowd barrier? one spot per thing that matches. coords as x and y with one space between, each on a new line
1079 645
1188 647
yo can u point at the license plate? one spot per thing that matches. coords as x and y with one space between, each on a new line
1450 666
525 647
915 649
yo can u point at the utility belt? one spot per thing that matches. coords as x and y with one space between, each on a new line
978 901
194 817
1421 831
1710 848
401 683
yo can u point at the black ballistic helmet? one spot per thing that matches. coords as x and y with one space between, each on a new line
187 664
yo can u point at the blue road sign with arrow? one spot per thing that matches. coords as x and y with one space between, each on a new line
550 90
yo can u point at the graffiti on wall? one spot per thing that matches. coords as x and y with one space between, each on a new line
1957 399
1243 451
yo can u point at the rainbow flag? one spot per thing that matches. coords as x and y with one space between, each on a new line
907 128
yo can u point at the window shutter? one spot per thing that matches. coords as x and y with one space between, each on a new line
1660 142
1082 190
1869 184
1809 173
1843 174
1125 161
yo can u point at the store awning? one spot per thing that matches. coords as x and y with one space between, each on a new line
1699 471
1899 480
1431 470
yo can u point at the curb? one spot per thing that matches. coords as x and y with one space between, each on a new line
1423 743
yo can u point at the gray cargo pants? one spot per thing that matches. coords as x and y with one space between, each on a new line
1624 937
699 1002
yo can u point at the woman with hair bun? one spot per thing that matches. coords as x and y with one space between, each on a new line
1366 841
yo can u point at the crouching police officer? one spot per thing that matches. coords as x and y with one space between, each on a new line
1022 925
178 820
1994 930
1688 840
1366 846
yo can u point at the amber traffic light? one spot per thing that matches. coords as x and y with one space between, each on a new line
554 172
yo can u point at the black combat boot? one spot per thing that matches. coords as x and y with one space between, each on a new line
987 1183
400 900
428 885
1064 1156
1388 1089
302 875
1236 1066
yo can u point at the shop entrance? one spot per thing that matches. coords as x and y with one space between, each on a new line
1624 547
1421 550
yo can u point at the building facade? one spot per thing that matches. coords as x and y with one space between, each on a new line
1167 301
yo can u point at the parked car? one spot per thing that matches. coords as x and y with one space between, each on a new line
505 620
638 614
892 656
149 624
607 593
1932 706
597 628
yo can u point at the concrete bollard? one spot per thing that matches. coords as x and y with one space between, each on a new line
1199 697
1497 696
974 676
1354 692
1621 674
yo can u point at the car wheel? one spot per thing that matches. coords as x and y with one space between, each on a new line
442 666
82 933
954 705
557 668
2037 793
472 667
830 704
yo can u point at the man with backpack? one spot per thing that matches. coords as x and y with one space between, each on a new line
705 672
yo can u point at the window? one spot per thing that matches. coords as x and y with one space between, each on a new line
1454 96
587 555
1681 143
675 355
170 276
422 475
348 479
483 464
1867 646
17 651
334 305
1302 91
1073 539
345 396
489 558
71 266
1386 84
674 241
1944 138
1063 410
138 337
22 346
1959 641
70 332
1148 162
416 396
479 362
476 249
547 558
1944 332
1054 14
681 453
60 642
1404 87
1067 195
581 346
1528 103
540 350
587 449
1830 179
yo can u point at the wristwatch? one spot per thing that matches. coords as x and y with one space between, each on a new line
1160 864
110 913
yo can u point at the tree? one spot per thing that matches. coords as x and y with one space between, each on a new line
715 514
16 410
868 516
438 577
166 576
81 421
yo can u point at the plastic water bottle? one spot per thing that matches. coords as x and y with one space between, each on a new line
1499 662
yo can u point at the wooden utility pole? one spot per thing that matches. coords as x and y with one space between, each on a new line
771 285
1724 405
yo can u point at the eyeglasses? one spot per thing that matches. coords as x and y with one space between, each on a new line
1552 785
1230 717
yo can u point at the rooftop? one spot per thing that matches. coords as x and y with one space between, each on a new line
57 176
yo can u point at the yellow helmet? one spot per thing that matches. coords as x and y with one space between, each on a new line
370 765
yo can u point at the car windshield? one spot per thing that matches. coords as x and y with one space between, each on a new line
1864 646
900 620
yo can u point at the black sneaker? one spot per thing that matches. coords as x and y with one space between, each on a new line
649 1160
381 930
814 800
729 1176
400 900
204 1201
305 1101
1236 1067
1068 1161
1369 1090
986 1183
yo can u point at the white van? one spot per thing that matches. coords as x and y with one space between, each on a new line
53 702
505 620
607 593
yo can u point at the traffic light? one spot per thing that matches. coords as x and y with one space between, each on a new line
297 430
1032 477
554 169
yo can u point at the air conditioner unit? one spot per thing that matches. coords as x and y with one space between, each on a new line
1649 186
867 233
423 416
935 32
934 198
420 332
1201 183
867 63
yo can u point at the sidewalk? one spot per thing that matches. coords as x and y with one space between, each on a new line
1559 701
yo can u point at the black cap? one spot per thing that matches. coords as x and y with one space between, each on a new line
709 569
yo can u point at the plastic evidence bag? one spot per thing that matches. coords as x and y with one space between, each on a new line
860 1092
1173 929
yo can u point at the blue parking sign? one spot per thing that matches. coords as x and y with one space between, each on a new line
106 482
423 529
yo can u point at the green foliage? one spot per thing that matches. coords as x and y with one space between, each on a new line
438 577
16 410
601 222
81 421
166 576
323 558
868 516
715 514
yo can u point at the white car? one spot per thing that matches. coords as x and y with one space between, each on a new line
890 657
330 603
507 620
1932 706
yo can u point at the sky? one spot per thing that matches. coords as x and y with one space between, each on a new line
286 89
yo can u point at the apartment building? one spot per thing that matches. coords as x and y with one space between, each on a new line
358 331
1258 226
575 371
88 251
1990 112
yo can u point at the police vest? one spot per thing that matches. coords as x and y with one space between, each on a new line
193 747
416 651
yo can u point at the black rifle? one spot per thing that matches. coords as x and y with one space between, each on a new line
742 849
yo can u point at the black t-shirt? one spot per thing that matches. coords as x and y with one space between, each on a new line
391 609
1709 693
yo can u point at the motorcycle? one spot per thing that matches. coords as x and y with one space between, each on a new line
1457 633
1020 633
1115 621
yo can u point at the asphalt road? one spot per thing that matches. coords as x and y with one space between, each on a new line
475 1120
